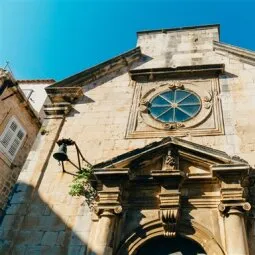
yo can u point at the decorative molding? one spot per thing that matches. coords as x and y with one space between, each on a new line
186 149
151 74
152 229
169 212
169 219
170 181
208 121
109 182
108 201
233 195
65 94
56 110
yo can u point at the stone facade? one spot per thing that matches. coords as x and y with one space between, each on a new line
14 105
203 195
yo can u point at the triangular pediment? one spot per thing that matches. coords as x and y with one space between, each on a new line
193 159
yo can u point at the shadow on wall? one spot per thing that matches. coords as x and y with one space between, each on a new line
30 226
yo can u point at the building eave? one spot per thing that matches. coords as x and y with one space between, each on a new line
247 56
16 90
61 90
36 81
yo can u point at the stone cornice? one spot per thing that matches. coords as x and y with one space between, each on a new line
228 170
244 55
150 74
111 174
65 94
179 29
213 156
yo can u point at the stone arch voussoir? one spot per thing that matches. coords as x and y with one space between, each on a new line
191 230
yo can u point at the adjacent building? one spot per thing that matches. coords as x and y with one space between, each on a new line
169 130
19 125
35 93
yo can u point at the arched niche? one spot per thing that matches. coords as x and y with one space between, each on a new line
192 230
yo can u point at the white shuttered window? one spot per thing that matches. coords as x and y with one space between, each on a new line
12 138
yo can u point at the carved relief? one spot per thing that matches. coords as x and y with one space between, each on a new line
171 126
176 85
169 221
144 106
208 100
169 161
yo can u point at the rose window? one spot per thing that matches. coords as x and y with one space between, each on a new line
174 106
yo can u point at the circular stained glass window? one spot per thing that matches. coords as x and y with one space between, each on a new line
174 106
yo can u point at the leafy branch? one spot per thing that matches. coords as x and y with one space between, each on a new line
81 186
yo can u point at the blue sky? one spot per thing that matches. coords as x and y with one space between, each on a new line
57 38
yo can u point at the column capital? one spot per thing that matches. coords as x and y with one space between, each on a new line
229 208
108 211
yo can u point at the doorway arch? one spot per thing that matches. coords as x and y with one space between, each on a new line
178 245
192 230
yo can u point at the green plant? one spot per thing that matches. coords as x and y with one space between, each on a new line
81 186
44 131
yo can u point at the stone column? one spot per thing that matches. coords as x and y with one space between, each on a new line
236 240
233 205
108 209
104 233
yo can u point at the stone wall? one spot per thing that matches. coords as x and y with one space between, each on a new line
14 105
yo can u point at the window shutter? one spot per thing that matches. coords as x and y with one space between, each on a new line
16 142
8 134
11 138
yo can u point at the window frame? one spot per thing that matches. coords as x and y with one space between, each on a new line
189 92
14 137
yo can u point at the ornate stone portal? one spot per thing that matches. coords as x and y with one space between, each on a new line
185 190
